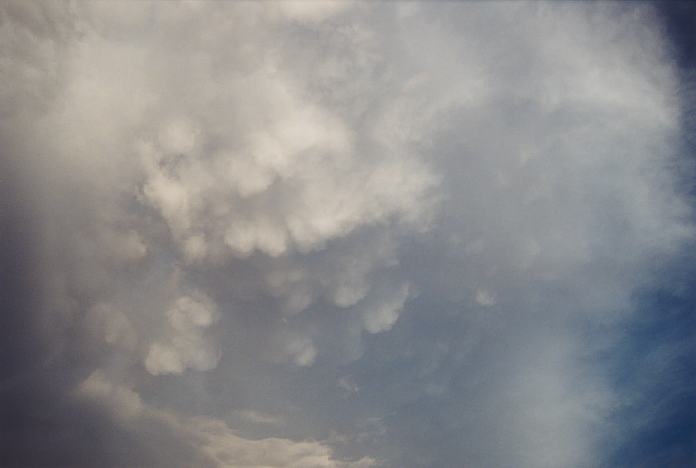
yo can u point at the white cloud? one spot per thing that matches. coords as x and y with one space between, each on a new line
183 344
216 442
485 298
380 316
302 351
278 180
122 401
310 11
227 449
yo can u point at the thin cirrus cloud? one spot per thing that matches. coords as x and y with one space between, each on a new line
328 234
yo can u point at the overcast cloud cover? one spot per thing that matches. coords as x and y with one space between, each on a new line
327 234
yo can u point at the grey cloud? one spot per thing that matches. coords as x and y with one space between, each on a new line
217 444
239 205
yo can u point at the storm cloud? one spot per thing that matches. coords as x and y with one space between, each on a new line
332 234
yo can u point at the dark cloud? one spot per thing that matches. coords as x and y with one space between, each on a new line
341 235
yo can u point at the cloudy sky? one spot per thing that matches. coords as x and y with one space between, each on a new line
322 234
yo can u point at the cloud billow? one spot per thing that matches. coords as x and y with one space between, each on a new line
332 234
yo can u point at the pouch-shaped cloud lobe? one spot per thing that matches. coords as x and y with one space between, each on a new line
398 231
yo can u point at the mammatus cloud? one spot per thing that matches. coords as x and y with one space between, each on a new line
295 233
187 319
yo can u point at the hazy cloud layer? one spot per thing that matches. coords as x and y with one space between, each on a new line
327 234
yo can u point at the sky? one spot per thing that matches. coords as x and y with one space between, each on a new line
344 235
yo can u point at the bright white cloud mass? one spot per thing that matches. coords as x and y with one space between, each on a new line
326 234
